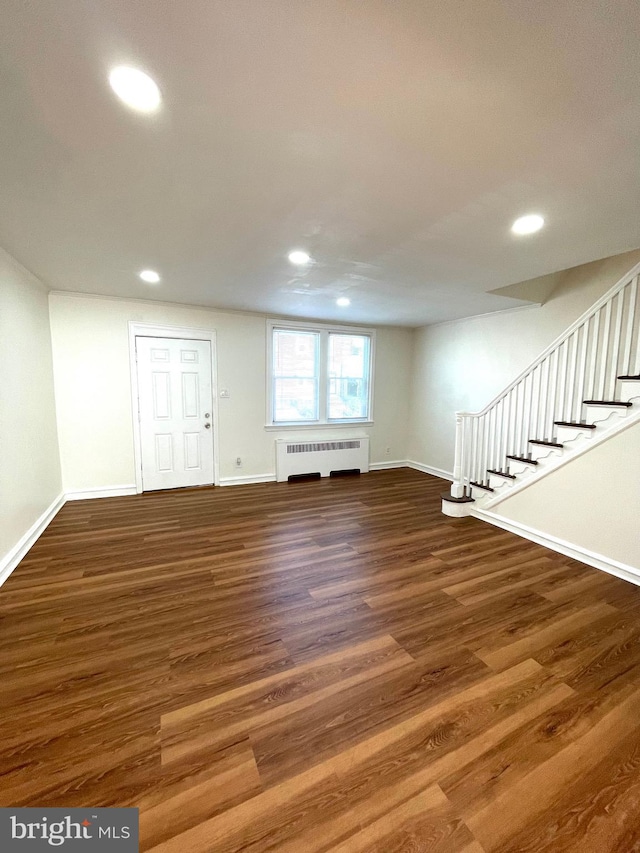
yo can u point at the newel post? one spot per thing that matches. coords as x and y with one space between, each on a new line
457 487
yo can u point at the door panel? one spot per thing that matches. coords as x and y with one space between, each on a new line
175 408
164 453
190 395
161 395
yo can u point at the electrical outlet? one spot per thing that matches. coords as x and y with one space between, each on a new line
238 462
388 451
224 392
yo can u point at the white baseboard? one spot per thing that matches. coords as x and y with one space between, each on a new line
247 481
428 469
598 561
11 560
105 492
392 463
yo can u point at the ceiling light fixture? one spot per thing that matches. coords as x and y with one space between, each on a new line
150 276
343 301
299 257
135 88
528 224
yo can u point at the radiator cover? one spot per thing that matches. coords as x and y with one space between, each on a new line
294 457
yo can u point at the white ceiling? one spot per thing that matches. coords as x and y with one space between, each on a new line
395 140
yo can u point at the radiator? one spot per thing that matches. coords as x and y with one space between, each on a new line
320 457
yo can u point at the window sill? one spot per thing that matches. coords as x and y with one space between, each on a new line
333 425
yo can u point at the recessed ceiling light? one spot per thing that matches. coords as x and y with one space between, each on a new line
299 257
343 301
150 276
135 88
528 224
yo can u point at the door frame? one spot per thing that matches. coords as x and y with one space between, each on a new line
152 330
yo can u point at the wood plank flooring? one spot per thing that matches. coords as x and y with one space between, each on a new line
323 666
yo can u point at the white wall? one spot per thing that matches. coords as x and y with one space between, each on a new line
91 366
461 366
29 464
593 502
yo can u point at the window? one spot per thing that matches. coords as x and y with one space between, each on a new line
348 376
295 375
319 374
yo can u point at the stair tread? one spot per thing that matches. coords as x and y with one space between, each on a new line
523 459
606 403
630 378
545 443
446 496
579 424
482 486
501 474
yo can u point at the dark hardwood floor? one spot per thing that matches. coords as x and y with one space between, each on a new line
323 666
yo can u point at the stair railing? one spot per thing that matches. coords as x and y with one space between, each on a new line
582 364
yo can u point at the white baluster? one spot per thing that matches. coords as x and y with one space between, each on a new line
626 366
615 348
519 419
490 433
582 367
474 449
562 379
570 389
503 433
594 341
486 445
635 362
535 402
499 415
528 381
508 447
553 390
544 401
604 353
521 446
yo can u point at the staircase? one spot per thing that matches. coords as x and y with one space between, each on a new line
580 391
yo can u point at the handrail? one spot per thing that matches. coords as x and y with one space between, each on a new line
602 301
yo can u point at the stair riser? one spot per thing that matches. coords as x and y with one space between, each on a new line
628 390
564 434
520 468
479 494
541 451
595 414
497 482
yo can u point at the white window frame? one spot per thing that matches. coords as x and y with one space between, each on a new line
323 330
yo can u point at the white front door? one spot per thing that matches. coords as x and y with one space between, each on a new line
175 410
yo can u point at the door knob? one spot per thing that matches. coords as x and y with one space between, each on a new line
207 426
